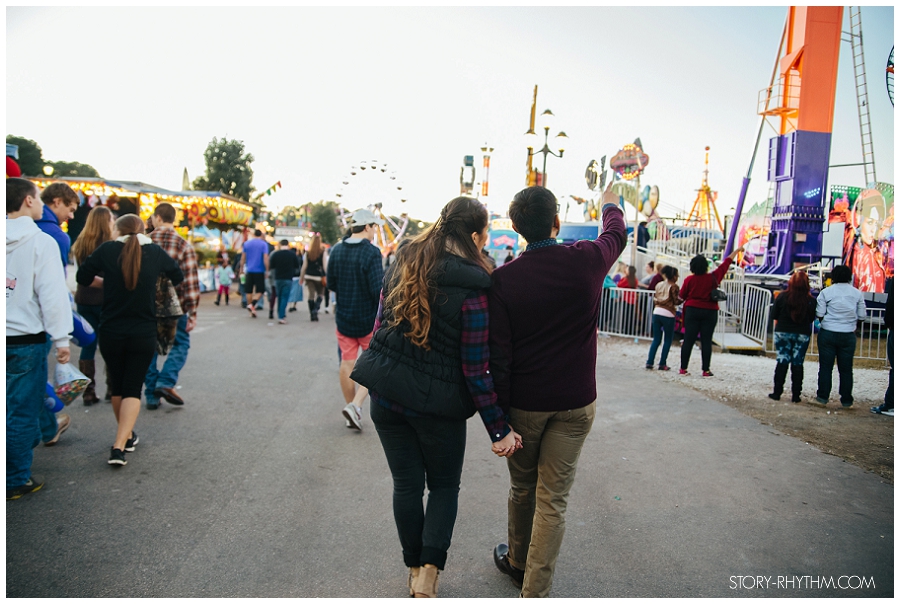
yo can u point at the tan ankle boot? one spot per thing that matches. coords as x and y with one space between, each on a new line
413 574
425 584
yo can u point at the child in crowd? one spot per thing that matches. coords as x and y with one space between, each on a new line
662 326
224 274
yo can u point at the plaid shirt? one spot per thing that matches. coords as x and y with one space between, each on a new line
475 358
355 275
181 251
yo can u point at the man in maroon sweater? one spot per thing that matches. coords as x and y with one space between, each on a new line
544 309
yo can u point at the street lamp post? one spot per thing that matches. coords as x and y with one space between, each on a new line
560 140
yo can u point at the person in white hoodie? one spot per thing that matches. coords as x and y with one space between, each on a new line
37 313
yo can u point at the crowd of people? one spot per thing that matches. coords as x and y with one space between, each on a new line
430 337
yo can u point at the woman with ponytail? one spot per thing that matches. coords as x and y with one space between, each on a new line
130 264
427 372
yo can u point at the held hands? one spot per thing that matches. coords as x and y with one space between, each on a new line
62 355
511 443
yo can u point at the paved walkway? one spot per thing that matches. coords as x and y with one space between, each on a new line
256 489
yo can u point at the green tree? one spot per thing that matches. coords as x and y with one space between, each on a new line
31 157
227 169
73 168
323 216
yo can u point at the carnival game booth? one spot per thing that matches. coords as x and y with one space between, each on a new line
208 219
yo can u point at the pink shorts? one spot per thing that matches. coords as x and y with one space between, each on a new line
350 346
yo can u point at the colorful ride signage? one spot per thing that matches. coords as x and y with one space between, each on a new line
630 161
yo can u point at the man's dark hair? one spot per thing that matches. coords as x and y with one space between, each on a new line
17 189
841 274
59 190
699 265
165 212
532 211
356 229
284 242
257 233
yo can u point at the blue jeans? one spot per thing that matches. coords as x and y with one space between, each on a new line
419 451
660 325
889 393
282 293
92 314
175 360
26 374
841 346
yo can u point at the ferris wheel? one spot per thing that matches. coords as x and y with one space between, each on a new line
371 184
889 76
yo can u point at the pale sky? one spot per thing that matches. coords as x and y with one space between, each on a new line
139 92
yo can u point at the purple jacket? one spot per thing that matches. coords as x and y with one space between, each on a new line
544 309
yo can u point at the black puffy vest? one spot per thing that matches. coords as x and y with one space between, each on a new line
426 381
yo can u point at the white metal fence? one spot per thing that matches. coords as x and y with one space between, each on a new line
626 312
871 338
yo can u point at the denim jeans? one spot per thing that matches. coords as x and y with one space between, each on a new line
659 326
423 450
841 346
282 293
541 475
26 375
889 393
167 377
91 313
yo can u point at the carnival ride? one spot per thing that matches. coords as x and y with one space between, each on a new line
799 105
371 185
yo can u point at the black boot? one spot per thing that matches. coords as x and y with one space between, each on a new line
218 299
318 304
781 370
796 382
312 311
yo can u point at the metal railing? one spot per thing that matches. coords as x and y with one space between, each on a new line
626 312
871 338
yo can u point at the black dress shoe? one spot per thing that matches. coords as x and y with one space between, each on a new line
169 395
501 559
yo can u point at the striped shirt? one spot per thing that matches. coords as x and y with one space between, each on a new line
475 359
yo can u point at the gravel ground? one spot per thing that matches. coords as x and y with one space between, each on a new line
740 375
743 381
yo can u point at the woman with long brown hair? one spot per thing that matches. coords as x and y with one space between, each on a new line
313 271
427 372
795 310
130 265
89 298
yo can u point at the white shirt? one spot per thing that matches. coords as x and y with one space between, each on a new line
839 307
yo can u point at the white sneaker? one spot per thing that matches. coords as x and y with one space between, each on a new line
353 415
347 423
889 413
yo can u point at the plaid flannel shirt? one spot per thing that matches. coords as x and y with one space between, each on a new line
181 251
475 358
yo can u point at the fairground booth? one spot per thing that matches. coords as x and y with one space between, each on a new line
210 220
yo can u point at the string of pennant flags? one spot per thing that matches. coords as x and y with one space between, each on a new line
273 188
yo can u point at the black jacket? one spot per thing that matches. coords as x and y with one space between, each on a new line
426 381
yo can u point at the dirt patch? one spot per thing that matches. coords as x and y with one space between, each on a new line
742 382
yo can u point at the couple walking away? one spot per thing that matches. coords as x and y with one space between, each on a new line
428 368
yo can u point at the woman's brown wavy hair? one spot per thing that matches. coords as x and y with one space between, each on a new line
96 231
412 285
315 249
130 259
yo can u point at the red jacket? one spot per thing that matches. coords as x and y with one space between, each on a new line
697 289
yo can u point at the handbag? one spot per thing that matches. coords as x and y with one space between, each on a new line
168 311
717 295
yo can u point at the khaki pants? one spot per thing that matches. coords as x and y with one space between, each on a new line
541 475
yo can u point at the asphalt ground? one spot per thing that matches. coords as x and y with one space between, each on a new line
255 488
